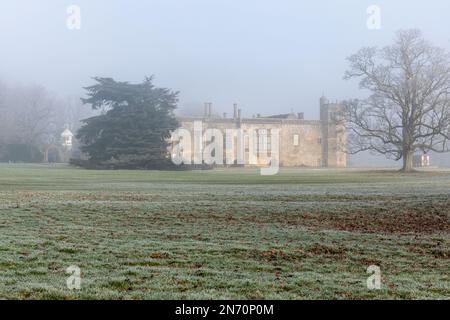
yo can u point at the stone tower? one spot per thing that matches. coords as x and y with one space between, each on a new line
333 137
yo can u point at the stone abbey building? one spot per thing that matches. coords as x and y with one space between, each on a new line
301 143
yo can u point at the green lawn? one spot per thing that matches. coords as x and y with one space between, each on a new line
302 234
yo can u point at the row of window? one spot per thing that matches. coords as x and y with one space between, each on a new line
264 140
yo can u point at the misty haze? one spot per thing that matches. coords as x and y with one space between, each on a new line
224 150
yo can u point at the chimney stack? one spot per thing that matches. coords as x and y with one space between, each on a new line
205 114
239 114
235 115
209 109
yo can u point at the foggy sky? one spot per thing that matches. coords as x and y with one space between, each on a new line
268 56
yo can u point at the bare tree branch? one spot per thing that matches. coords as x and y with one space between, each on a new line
409 105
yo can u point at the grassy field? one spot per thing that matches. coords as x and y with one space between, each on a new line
303 234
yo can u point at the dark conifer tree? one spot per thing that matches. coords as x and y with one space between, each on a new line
133 128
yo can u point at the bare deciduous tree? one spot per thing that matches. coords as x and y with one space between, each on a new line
36 118
409 105
31 115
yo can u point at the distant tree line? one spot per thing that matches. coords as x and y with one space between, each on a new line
31 118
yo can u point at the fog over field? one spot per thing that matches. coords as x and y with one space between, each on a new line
210 153
267 56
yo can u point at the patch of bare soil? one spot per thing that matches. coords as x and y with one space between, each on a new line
424 218
314 249
410 222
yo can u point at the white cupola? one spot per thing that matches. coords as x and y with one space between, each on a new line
67 137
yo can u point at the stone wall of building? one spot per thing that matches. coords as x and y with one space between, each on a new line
309 143
333 134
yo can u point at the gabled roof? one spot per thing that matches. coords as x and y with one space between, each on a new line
67 133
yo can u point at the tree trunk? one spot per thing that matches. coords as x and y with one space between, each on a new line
407 161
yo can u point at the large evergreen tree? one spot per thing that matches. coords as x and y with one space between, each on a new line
133 128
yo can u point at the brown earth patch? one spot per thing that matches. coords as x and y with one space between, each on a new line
383 217
438 250
392 222
315 249
403 218
321 249
273 255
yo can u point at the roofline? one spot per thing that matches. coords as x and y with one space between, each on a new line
249 120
